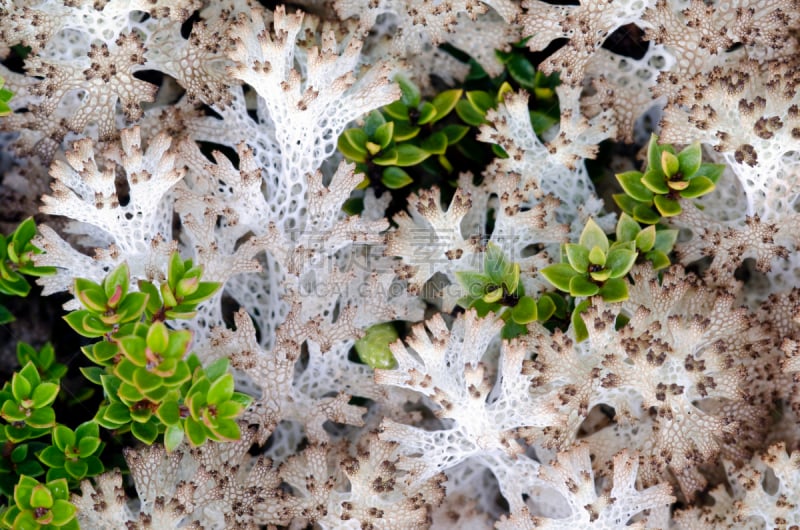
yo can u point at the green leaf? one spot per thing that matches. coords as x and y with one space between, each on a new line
654 181
169 412
627 228
614 290
134 348
445 102
404 131
578 325
384 134
44 394
410 93
494 264
117 413
593 236
129 393
665 240
560 275
493 295
581 286
173 437
469 113
76 468
20 387
427 113
409 155
546 308
689 160
525 311
710 171
666 206
195 432
646 239
658 259
631 182
88 445
352 144
669 163
386 158
597 257
541 121
395 178
63 437
578 256
645 214
435 144
654 155
5 315
227 430
454 133
217 369
22 235
474 283
698 186
92 373
374 121
63 513
146 432
481 100
522 70
42 418
132 307
145 382
51 456
158 337
620 261
221 390
153 296
120 276
41 497
397 111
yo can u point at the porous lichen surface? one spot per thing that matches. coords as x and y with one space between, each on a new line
211 127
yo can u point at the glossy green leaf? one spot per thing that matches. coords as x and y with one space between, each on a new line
469 113
445 102
5 315
169 412
581 286
373 121
614 290
51 456
217 369
76 468
41 418
669 163
397 111
593 236
117 413
658 259
698 186
522 70
689 160
627 228
410 94
597 257
665 240
173 437
221 390
384 134
483 101
227 430
631 182
578 325
409 155
710 171
427 113
545 308
146 432
41 497
132 307
620 261
666 206
578 256
435 144
645 214
44 394
158 337
386 158
120 276
654 181
395 178
63 513
454 133
63 437
20 387
654 155
525 311
88 445
560 275
474 283
646 239
352 144
145 381
195 432
404 131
